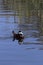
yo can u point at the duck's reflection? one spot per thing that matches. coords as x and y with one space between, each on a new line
20 43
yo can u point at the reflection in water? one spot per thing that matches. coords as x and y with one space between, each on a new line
40 48
30 48
10 20
7 24
20 43
23 52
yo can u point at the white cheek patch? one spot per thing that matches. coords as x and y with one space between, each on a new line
20 33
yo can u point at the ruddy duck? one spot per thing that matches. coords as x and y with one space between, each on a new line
18 36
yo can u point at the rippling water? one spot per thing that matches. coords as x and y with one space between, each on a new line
30 51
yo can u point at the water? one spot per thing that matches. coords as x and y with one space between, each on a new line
13 53
30 51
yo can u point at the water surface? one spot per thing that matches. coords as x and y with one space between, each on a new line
30 51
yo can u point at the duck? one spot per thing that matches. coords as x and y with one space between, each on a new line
18 36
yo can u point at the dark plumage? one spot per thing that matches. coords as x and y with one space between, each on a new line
18 36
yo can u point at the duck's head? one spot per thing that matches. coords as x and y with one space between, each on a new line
20 32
